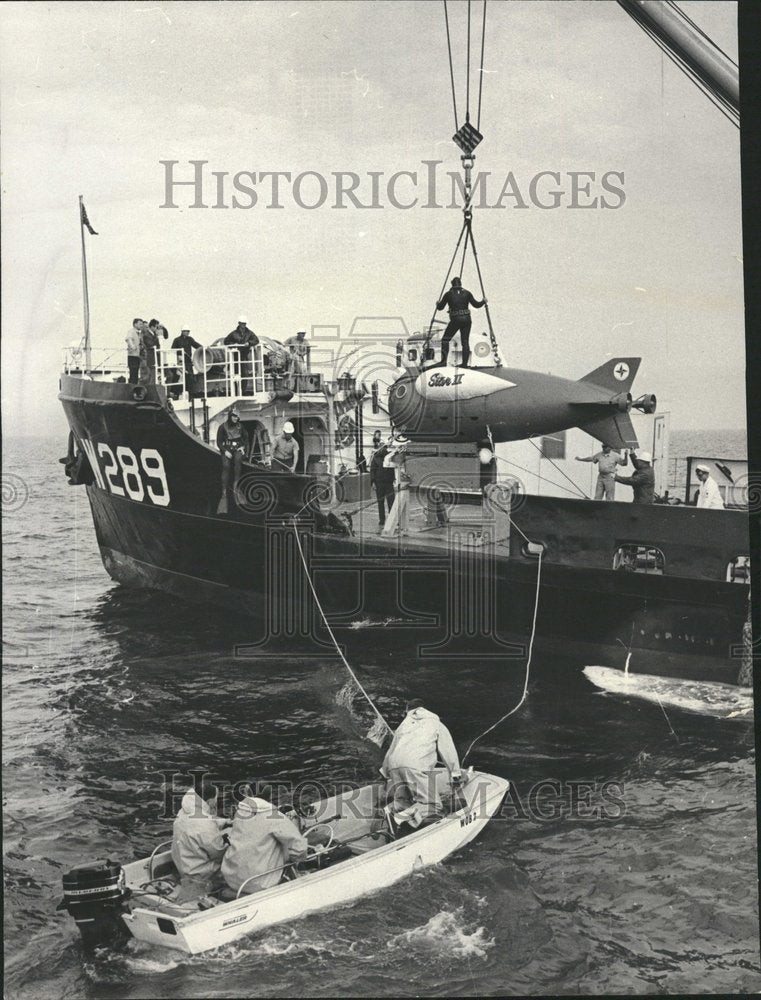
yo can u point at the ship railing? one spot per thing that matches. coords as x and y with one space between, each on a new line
101 361
171 371
228 370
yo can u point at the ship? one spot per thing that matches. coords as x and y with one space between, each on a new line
472 562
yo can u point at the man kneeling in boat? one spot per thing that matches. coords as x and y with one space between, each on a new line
198 843
410 760
262 843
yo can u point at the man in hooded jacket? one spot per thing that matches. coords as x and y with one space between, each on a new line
261 839
409 762
233 443
198 843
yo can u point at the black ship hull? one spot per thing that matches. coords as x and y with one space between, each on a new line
154 499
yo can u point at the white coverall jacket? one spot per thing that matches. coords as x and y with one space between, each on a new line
261 839
416 742
197 844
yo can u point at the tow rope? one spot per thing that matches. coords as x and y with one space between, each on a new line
524 693
380 728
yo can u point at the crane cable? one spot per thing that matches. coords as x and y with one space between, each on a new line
451 67
481 70
467 229
467 73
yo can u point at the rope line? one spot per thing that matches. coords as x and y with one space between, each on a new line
576 486
444 286
543 479
492 338
464 251
524 693
356 680
451 68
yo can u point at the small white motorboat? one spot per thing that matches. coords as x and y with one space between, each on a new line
366 851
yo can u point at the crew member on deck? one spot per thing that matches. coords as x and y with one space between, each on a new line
642 481
285 450
232 441
382 478
197 842
299 350
245 340
457 299
158 328
409 762
151 344
134 349
708 495
606 460
187 345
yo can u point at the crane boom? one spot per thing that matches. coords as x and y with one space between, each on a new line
711 66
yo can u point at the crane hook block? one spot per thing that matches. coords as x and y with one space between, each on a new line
467 137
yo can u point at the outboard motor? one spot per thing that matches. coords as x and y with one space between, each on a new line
93 894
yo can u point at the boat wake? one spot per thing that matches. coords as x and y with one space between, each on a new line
377 622
447 932
721 701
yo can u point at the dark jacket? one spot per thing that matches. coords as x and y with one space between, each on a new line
244 336
379 474
188 345
150 339
458 300
232 437
642 481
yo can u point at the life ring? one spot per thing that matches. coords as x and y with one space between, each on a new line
139 393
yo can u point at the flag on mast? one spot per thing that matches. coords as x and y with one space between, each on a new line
85 221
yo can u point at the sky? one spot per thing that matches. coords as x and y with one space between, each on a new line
95 95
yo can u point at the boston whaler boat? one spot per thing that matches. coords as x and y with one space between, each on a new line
367 850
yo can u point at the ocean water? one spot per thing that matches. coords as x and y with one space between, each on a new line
624 860
701 444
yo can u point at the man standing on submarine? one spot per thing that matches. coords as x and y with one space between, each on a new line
458 299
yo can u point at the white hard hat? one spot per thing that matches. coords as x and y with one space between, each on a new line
184 327
288 427
645 456
242 319
702 468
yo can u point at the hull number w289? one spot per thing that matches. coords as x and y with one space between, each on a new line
124 476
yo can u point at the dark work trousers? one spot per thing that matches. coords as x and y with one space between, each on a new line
133 364
462 324
231 466
384 492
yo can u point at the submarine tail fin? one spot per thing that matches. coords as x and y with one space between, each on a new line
615 429
616 374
